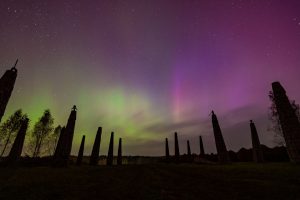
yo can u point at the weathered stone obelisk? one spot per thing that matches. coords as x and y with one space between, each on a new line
256 148
96 148
167 150
110 155
69 132
188 149
64 145
16 150
7 83
119 159
288 121
202 153
80 153
60 144
223 155
177 154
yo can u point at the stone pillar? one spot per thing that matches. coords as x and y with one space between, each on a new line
188 149
60 143
256 148
110 155
16 150
119 159
64 144
288 121
7 83
177 154
80 153
96 148
69 132
202 153
167 150
223 155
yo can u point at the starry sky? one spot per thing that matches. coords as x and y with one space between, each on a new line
147 68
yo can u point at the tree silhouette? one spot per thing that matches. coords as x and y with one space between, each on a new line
9 129
41 131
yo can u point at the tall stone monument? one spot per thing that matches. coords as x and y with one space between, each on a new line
288 121
223 155
60 143
188 149
202 153
177 154
119 159
64 145
96 148
16 149
7 83
256 148
167 149
110 155
69 132
80 152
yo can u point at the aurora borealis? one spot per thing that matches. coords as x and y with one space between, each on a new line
145 69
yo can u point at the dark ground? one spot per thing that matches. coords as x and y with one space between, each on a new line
153 181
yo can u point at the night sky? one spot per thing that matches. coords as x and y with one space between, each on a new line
147 68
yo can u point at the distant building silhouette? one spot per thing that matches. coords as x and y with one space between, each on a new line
80 153
202 153
177 154
256 148
110 155
223 155
7 83
289 122
167 149
16 150
188 148
96 148
119 159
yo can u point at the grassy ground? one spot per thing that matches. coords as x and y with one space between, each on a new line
160 181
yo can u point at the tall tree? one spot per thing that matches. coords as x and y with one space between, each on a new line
42 130
9 129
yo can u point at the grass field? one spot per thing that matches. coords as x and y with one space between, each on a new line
156 181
